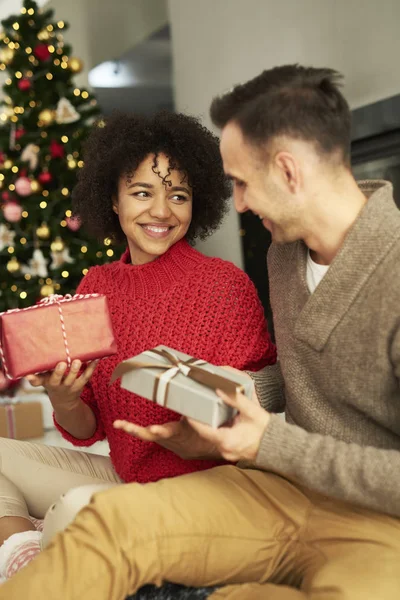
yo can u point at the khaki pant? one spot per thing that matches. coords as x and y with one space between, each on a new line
257 533
36 479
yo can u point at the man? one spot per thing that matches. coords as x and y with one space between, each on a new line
317 514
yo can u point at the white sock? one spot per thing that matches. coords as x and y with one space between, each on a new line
18 550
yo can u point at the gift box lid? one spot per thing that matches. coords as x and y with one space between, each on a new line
203 378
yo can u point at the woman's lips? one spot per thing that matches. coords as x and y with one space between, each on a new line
156 231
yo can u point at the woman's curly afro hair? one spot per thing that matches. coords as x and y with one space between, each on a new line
117 149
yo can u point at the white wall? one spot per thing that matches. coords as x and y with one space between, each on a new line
102 30
217 43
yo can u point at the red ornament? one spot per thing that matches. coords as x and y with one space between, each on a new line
23 186
42 53
24 85
2 158
5 196
12 212
73 223
45 178
19 133
56 149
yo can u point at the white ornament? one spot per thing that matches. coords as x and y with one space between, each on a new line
6 237
30 154
66 113
37 265
59 258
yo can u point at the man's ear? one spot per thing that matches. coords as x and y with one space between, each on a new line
289 169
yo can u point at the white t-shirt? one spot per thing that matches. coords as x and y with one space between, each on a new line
315 273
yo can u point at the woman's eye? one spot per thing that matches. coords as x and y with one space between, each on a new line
141 194
179 198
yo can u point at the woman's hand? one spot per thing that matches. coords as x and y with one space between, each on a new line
177 436
64 390
237 440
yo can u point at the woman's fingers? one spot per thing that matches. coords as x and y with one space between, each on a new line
153 433
87 373
36 380
70 378
140 432
57 375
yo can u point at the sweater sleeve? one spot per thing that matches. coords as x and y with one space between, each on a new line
245 342
270 387
88 285
364 475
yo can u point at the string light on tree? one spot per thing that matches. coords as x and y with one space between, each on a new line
46 117
46 290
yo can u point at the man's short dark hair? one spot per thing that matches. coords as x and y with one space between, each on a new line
300 102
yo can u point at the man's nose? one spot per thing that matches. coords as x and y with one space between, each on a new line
239 201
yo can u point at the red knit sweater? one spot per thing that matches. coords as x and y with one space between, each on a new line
202 306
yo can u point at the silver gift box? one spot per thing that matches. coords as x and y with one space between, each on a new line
182 383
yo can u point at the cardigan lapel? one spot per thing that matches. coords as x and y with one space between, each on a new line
372 236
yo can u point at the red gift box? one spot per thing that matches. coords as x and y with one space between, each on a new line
59 328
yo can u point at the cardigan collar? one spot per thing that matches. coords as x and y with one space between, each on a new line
373 234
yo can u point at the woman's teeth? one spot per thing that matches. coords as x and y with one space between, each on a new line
155 229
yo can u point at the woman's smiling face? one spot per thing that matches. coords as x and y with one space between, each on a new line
154 207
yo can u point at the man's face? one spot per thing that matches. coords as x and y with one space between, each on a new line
260 187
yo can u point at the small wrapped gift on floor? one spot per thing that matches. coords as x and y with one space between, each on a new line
21 421
182 383
59 328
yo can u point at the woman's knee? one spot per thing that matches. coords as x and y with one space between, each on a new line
64 511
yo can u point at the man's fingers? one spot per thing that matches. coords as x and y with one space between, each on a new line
239 401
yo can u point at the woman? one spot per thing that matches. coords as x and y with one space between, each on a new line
155 183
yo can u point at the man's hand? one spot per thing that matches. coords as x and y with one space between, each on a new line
237 440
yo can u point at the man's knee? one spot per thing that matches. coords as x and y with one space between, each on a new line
64 511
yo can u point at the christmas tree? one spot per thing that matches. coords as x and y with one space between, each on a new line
43 122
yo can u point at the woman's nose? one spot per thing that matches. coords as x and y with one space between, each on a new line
160 208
